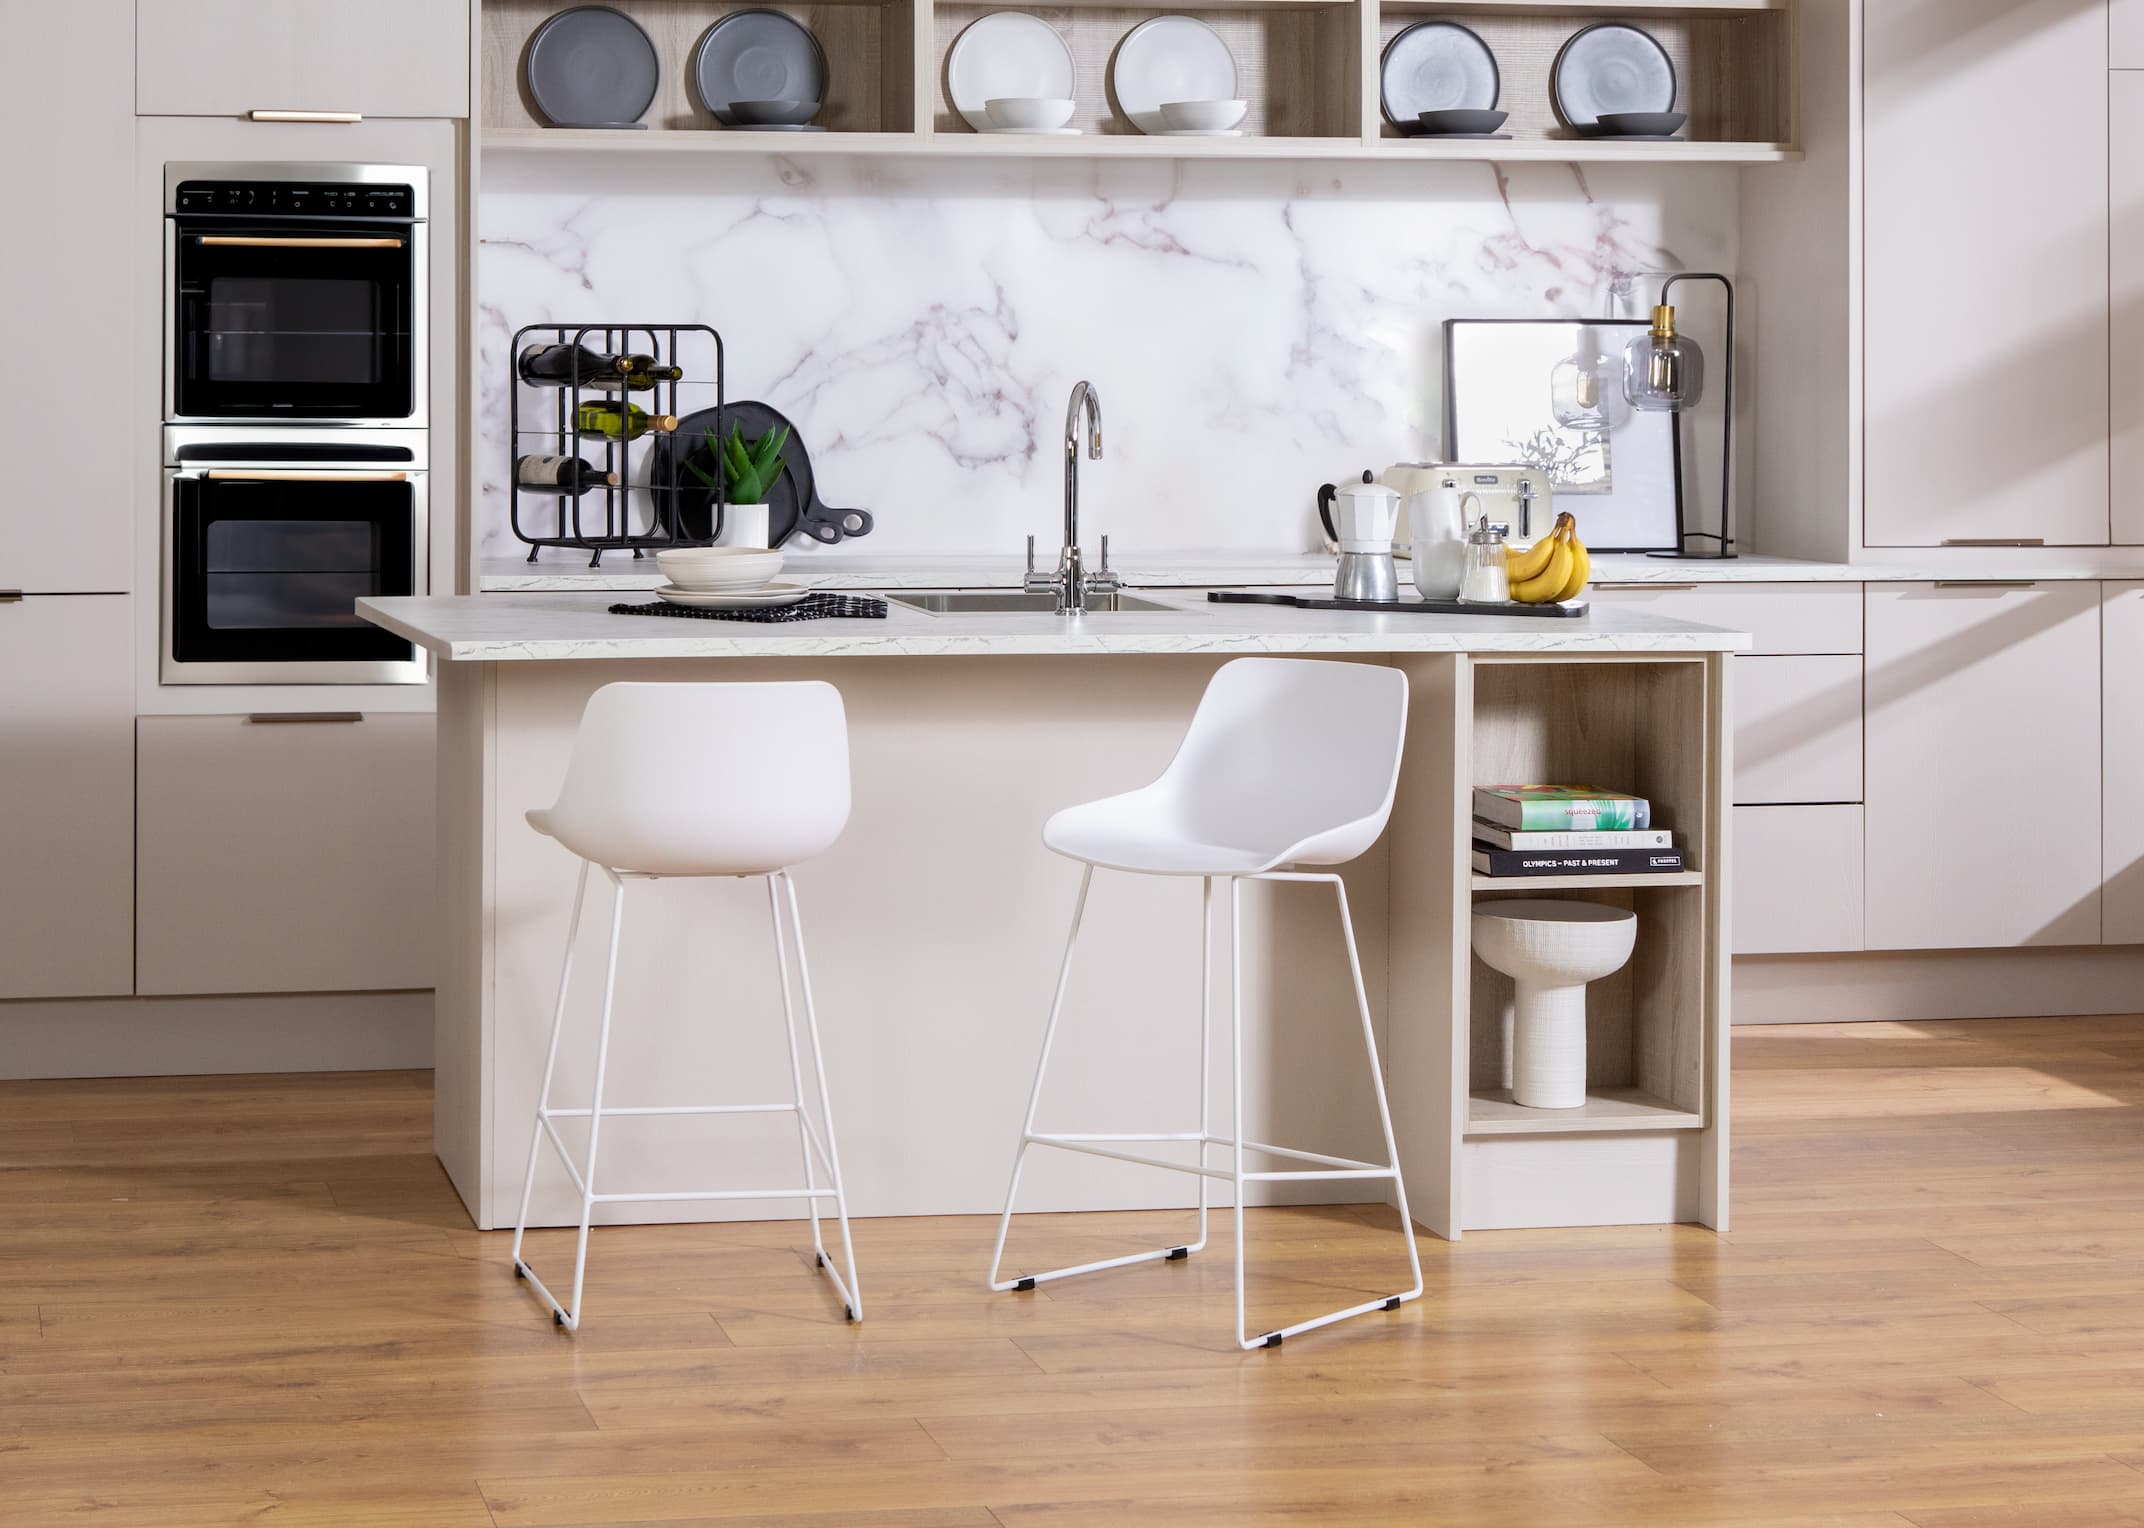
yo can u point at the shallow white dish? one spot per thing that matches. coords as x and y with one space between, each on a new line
1033 114
1006 54
732 599
1203 116
1198 132
1035 132
1170 58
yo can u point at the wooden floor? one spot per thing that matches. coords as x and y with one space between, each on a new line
257 1301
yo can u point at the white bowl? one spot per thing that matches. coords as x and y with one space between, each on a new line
1033 114
719 567
1203 116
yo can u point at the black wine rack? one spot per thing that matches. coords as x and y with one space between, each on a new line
643 510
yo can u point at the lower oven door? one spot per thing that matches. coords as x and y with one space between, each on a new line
263 568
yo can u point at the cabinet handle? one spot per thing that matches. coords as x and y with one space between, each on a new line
259 115
1987 583
1995 541
302 718
270 475
262 241
10 596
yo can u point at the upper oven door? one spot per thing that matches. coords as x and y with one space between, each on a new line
264 566
286 319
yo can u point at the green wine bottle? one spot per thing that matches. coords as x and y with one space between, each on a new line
621 421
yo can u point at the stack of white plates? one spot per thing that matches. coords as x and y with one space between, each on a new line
724 578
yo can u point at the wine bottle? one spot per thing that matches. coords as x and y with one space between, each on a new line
563 365
567 474
621 421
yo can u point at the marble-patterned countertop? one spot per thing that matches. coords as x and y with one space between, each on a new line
1227 570
548 627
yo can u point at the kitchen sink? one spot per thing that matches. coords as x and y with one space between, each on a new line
1017 602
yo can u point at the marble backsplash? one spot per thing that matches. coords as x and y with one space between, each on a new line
1253 329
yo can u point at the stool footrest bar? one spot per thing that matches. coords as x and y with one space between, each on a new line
685 1196
611 1113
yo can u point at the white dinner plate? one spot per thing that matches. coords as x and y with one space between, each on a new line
1171 58
1006 53
733 599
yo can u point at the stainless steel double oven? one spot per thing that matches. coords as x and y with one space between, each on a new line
296 451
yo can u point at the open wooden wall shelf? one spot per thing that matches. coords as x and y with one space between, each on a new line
1309 69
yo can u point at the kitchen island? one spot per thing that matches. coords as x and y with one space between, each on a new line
937 921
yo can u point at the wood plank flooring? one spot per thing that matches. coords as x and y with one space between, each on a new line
256 1300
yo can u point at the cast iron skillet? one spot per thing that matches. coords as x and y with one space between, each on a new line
794 504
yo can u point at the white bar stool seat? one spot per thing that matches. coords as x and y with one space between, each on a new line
1287 763
665 781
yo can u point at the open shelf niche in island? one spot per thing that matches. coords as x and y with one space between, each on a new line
1308 68
1650 1143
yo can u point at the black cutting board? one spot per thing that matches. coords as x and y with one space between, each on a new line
793 505
1399 607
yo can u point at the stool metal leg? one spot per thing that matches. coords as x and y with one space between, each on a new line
550 1065
796 1072
851 1290
566 1316
1322 1169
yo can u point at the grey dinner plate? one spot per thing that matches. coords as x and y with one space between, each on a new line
1436 66
758 56
1611 67
591 66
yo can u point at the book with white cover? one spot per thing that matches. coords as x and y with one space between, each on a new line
1500 837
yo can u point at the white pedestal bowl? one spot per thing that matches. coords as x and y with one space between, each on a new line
1551 950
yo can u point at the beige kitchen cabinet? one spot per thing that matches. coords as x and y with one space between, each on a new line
285 855
1798 879
2122 683
1797 730
2125 438
2125 29
65 263
67 796
226 58
1986 286
1984 813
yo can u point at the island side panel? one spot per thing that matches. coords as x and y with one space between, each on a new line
1712 1184
460 1096
935 929
1426 1059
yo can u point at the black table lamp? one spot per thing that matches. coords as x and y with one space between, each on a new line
1664 373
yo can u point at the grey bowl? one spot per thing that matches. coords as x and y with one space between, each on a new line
773 113
1460 119
1636 124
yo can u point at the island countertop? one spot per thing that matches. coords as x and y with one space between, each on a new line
494 628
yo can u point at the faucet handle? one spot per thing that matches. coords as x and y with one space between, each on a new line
1032 581
1104 577
1030 556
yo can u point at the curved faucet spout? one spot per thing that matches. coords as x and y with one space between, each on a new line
1071 574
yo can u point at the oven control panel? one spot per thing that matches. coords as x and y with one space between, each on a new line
295 199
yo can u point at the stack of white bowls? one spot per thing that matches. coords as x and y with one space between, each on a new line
719 569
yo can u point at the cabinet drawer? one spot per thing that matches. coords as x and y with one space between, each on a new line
2125 33
1797 879
225 58
284 856
1783 618
1797 730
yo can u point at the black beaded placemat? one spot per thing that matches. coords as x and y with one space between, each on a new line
813 607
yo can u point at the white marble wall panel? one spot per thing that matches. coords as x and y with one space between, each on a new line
1254 329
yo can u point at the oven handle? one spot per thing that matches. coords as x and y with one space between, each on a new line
263 241
266 475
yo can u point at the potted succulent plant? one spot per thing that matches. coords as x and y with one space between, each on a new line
751 470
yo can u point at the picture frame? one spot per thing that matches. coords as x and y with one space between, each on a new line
1499 381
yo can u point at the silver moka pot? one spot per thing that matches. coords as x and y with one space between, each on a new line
1363 517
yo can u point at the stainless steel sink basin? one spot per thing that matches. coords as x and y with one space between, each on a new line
1015 602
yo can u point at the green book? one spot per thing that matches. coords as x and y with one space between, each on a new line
1561 808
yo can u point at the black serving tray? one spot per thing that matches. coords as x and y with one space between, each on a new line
1399 607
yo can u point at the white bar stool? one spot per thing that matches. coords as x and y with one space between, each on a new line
1287 762
659 785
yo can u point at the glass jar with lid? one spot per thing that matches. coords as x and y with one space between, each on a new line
1486 580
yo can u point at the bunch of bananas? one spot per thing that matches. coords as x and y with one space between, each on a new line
1553 569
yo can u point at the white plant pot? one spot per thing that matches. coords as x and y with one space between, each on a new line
744 525
1551 950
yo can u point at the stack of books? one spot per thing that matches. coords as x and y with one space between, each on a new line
1526 830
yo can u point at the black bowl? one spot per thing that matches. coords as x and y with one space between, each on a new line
1637 124
1462 120
771 113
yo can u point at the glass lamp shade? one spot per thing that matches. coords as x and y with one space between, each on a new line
1585 392
1663 372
